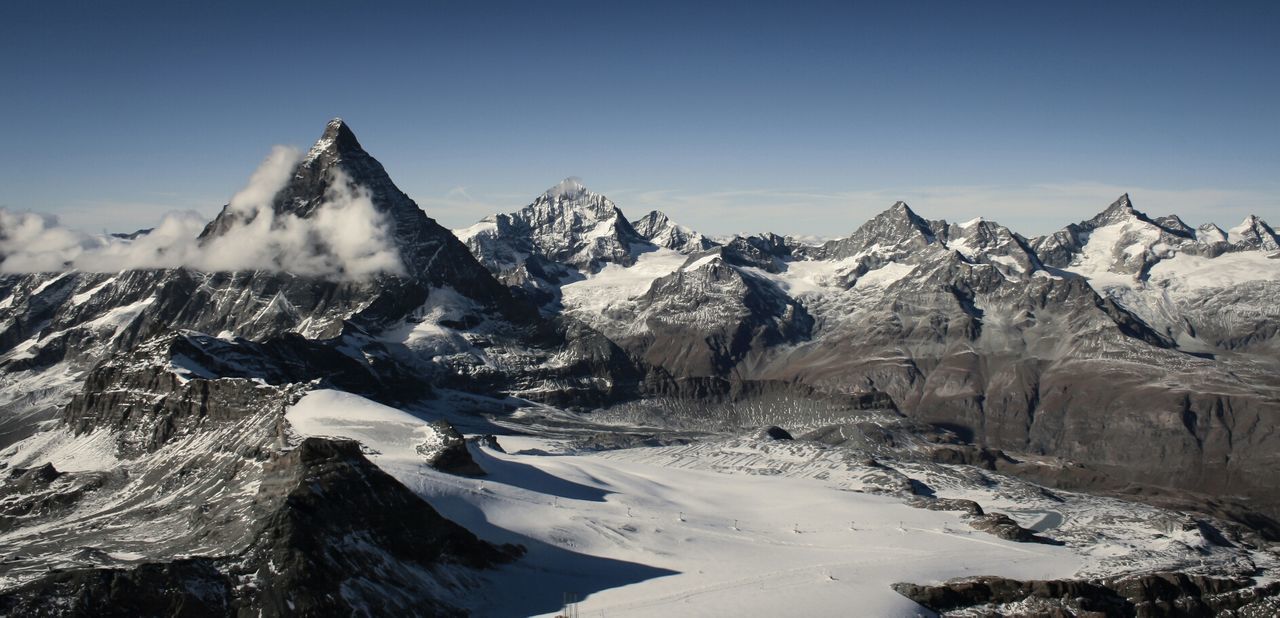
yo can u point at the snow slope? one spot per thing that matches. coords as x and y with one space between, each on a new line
636 538
1193 272
390 432
735 545
614 289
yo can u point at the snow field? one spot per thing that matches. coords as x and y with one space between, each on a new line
631 538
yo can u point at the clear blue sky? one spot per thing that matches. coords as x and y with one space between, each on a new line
794 117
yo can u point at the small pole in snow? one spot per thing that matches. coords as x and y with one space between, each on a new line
628 511
735 524
555 502
851 525
796 529
680 516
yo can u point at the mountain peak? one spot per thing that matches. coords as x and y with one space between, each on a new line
1253 231
1120 210
568 188
336 139
1122 204
1174 224
659 229
897 225
900 211
1251 221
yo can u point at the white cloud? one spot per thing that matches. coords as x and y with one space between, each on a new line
345 237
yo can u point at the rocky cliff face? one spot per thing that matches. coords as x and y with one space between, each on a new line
331 534
398 555
185 452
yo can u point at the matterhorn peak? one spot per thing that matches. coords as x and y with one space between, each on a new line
337 139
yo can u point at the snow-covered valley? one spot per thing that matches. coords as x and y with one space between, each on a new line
748 525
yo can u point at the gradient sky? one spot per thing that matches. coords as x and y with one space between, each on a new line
804 118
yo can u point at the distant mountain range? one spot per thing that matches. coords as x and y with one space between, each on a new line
1126 354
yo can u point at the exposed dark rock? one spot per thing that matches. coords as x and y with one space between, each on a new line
1154 595
25 480
337 536
1003 526
39 492
344 524
947 504
488 441
773 432
148 405
768 252
449 453
619 440
184 588
969 455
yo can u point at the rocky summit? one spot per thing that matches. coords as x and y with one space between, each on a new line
270 440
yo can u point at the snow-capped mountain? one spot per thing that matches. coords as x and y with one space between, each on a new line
1205 288
1056 345
566 233
657 228
299 397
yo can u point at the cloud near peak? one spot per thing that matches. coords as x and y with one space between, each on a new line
346 237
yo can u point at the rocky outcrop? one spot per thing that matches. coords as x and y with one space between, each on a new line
341 524
333 535
192 588
1156 594
42 492
1003 526
968 507
448 451
773 432
146 404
